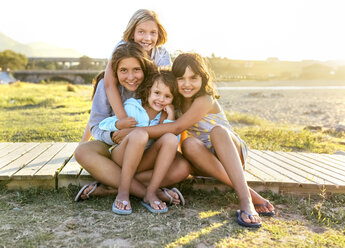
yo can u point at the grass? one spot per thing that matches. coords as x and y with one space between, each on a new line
59 112
43 218
264 135
43 112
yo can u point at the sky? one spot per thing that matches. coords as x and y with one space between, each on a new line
290 30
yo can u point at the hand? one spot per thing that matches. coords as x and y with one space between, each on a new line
170 110
126 122
119 135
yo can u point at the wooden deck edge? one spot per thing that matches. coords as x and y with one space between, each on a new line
28 183
64 182
206 185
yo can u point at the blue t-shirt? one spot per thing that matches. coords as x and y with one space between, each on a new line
133 108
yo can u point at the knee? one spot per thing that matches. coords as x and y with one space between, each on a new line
170 140
190 145
80 152
182 168
139 136
218 130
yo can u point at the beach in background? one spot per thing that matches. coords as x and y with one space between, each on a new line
315 103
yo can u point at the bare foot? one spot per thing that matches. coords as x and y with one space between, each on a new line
101 190
249 215
263 206
154 201
173 199
122 202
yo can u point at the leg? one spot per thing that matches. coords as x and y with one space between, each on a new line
178 171
193 147
95 158
128 155
228 155
201 158
162 152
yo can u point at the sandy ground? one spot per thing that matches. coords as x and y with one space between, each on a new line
322 107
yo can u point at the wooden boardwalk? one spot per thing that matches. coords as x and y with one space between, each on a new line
52 165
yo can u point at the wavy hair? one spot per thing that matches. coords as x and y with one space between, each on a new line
165 76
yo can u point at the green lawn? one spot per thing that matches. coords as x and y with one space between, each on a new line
43 112
59 112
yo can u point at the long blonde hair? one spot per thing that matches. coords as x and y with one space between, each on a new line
144 15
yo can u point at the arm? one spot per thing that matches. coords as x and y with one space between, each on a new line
109 124
87 134
113 94
170 112
199 108
100 110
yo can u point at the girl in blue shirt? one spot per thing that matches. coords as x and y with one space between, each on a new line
136 152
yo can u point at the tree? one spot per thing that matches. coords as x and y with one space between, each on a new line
85 63
12 60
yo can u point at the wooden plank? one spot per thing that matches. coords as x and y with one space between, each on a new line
57 162
71 169
70 174
334 159
29 183
267 170
10 148
4 144
303 168
17 152
35 165
251 178
320 161
10 169
340 158
280 171
321 172
84 172
264 176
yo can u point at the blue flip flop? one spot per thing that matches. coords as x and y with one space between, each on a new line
241 222
269 213
121 211
152 210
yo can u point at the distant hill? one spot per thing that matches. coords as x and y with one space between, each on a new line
36 49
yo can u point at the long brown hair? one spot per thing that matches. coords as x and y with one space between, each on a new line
128 50
198 65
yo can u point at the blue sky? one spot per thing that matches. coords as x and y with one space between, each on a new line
245 29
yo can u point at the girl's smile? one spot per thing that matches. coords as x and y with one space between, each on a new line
130 74
160 96
189 84
146 34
